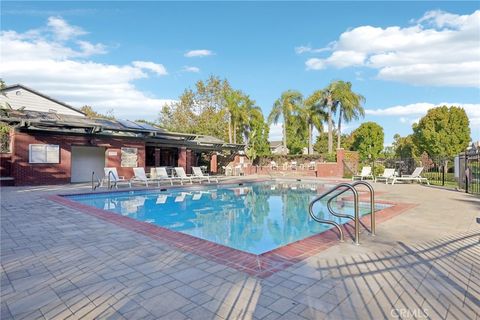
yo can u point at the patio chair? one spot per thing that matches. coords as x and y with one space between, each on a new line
415 176
312 165
273 165
366 173
387 174
140 176
160 173
180 172
227 170
293 165
198 173
111 172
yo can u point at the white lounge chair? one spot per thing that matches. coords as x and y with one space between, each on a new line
160 173
111 172
198 174
293 165
140 176
387 174
312 165
415 176
180 172
273 165
366 173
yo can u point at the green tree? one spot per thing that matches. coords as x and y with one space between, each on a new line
314 114
442 132
90 113
289 103
368 140
257 137
215 108
321 143
297 134
404 147
199 111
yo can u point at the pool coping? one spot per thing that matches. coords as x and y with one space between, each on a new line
262 265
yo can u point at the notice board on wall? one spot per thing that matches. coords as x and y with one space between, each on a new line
129 157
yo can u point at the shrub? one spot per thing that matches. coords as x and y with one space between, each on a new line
330 157
378 170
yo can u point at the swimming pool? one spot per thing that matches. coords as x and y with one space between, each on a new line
252 217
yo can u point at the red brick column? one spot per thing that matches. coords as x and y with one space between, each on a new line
213 163
182 158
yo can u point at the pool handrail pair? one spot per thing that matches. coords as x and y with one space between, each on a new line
355 217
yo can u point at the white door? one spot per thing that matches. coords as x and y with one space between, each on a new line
85 160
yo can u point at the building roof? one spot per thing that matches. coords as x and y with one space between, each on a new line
68 124
18 85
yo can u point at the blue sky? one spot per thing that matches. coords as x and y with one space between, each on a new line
134 56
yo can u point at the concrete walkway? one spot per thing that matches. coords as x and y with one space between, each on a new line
58 263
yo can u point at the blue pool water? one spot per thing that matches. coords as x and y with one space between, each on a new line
255 217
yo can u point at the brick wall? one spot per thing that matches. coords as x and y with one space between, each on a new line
323 169
26 173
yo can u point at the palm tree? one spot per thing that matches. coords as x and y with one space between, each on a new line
314 115
289 102
348 104
232 101
336 94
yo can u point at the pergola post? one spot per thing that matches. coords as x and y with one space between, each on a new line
213 163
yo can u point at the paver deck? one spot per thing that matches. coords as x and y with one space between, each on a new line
58 263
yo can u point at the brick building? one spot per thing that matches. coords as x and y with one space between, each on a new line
52 143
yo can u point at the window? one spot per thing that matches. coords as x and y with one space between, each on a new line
44 153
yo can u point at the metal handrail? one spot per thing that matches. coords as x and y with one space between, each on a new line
94 187
355 218
372 203
110 172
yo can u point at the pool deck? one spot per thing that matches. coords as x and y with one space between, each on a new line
58 262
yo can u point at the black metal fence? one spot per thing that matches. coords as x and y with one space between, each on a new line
469 168
438 171
461 172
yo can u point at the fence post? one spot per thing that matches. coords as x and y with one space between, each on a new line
443 172
465 171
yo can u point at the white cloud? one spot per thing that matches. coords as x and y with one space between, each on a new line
315 64
90 49
276 132
309 49
39 59
440 49
62 30
416 110
198 53
159 69
191 69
